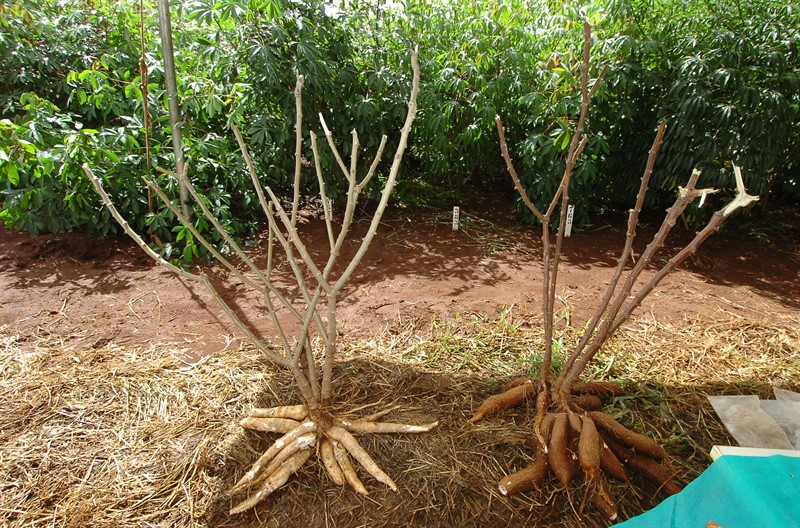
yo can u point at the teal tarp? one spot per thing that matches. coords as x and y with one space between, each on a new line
734 492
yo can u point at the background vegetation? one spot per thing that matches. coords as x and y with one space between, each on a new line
725 75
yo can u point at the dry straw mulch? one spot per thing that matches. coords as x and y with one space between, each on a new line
115 436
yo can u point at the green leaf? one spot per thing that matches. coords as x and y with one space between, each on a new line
272 8
12 173
27 145
110 154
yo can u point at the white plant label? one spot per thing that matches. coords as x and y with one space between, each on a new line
570 215
456 216
330 209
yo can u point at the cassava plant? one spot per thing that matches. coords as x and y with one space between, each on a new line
570 432
312 427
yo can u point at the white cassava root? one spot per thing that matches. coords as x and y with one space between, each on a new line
335 443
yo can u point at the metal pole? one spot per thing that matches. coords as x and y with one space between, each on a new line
165 32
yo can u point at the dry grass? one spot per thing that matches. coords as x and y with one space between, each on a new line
113 436
135 437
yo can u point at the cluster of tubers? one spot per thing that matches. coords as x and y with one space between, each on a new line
334 442
578 437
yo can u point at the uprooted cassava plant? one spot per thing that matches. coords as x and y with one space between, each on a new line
570 432
311 427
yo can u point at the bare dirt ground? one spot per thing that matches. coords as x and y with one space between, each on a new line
105 428
95 291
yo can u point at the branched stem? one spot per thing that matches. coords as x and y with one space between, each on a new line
551 254
618 302
615 317
298 353
633 221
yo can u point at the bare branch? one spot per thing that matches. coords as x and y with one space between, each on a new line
513 172
266 349
322 194
375 161
633 221
392 178
267 207
354 155
334 149
298 145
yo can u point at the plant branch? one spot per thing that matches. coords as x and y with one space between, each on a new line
334 149
392 178
266 349
375 161
513 172
378 215
633 221
298 145
322 194
617 316
267 207
577 145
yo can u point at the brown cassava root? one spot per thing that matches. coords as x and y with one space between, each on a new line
516 395
596 445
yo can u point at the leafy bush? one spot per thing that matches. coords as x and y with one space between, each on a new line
724 75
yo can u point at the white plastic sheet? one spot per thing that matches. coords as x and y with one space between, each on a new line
771 424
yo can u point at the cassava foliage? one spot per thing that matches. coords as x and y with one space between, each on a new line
726 75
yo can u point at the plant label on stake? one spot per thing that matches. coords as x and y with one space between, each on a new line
456 215
570 215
